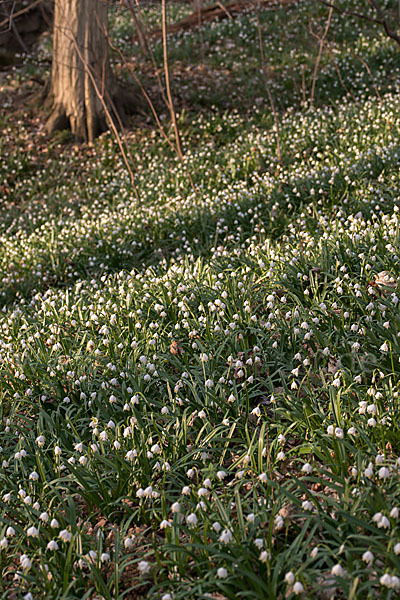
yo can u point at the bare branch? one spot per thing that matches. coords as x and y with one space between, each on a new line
321 47
381 21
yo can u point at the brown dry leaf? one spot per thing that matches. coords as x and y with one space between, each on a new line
175 348
385 282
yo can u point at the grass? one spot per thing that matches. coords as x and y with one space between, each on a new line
200 391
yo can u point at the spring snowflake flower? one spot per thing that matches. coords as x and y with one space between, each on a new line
386 580
25 562
368 557
144 567
3 543
337 570
298 588
225 537
32 532
289 578
65 535
52 545
306 468
383 473
192 519
222 573
10 531
384 348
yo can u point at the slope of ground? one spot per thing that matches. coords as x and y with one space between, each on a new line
200 391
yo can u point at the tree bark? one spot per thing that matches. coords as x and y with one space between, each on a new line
81 78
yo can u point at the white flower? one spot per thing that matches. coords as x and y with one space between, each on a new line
384 348
164 524
339 432
10 531
307 505
369 471
222 573
57 450
298 588
250 518
52 545
221 475
225 537
192 519
217 527
386 580
104 557
144 567
384 523
264 556
368 557
337 570
40 440
306 468
3 543
396 548
289 578
32 532
25 562
54 523
383 473
209 383
175 507
65 535
394 513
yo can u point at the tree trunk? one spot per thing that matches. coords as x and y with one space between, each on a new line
81 78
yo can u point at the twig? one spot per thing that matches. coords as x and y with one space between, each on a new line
382 21
386 27
269 93
321 47
108 114
20 12
167 80
151 105
331 54
363 62
226 11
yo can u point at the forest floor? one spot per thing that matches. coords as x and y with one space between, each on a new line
200 389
